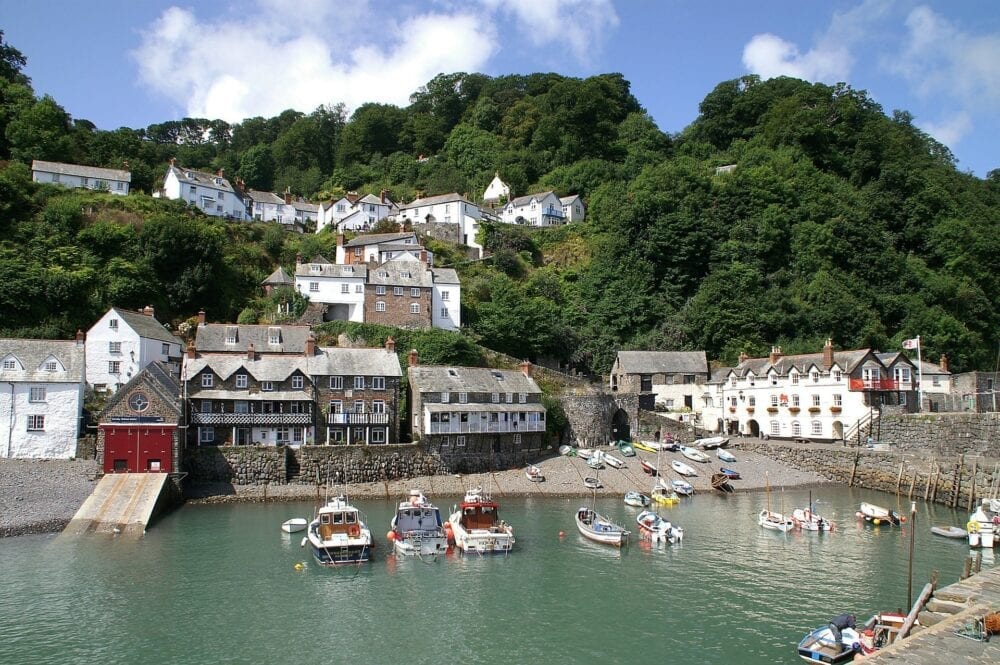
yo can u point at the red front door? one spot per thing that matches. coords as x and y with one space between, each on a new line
137 448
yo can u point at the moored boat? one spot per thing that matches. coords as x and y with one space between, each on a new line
534 474
636 499
708 443
476 527
725 456
338 534
837 642
775 521
955 532
807 520
656 529
599 528
878 515
664 496
294 525
982 528
682 468
694 454
733 475
417 528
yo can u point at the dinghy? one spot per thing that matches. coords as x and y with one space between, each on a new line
592 483
654 528
682 487
568 451
665 496
725 456
534 474
294 525
599 528
636 499
878 515
837 642
694 454
807 519
613 461
642 445
626 449
720 481
710 442
682 468
733 475
955 532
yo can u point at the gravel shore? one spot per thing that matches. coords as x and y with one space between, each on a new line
40 496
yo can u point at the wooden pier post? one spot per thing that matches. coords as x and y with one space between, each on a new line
927 486
966 568
956 487
911 618
899 478
854 469
972 485
937 477
913 479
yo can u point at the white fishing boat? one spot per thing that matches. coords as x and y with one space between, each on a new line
476 527
694 454
534 474
656 529
770 519
417 528
682 468
338 534
636 499
613 461
725 456
682 487
807 519
294 525
710 442
878 515
982 529
599 528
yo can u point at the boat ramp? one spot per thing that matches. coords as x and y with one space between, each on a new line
121 503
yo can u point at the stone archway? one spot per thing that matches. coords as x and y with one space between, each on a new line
621 430
753 428
838 430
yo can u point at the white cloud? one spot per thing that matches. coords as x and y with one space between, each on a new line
951 130
277 54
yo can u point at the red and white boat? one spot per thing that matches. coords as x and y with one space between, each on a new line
476 527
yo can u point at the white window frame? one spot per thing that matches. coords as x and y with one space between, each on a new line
113 324
336 383
37 394
378 383
380 290
359 383
414 308
298 382
817 428
207 380
242 381
36 422
114 347
379 306
114 367
775 428
267 386
314 287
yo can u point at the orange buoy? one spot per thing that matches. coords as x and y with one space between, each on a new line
902 518
390 536
562 534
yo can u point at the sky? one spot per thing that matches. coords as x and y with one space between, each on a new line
135 63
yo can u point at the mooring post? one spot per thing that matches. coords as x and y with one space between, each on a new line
913 479
967 567
854 469
927 487
899 478
972 484
937 477
957 485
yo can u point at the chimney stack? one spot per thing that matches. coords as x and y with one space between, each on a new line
288 195
221 173
250 352
390 345
381 195
173 161
190 350
340 240
148 310
201 318
525 368
775 354
310 345
298 260
944 363
80 337
412 358
828 353
743 357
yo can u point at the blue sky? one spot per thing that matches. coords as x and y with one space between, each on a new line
134 63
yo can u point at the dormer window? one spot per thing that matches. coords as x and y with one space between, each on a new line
274 335
815 376
348 269
218 181
9 363
751 379
732 382
774 379
313 268
51 366
231 335
189 175
382 273
837 375
795 378
405 274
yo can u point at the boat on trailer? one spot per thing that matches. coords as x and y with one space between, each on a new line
416 527
476 527
338 534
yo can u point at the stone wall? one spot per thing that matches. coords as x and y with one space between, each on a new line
590 415
941 434
239 465
916 474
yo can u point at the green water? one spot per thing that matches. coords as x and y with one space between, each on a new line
218 584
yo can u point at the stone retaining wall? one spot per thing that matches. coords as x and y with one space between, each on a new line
941 434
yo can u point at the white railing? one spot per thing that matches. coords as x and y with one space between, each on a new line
358 419
480 427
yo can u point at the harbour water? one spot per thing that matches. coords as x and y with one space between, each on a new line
219 584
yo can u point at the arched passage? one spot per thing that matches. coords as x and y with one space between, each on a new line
753 428
620 429
838 430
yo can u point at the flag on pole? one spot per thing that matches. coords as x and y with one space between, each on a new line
911 343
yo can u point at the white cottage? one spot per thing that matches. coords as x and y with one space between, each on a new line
497 191
573 208
446 209
542 209
42 405
340 287
209 192
113 181
354 213
122 342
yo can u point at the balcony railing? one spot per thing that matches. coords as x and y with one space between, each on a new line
198 418
880 384
358 419
481 427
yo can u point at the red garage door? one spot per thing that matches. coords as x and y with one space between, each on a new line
137 448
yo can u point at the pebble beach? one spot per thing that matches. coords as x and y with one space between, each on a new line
41 496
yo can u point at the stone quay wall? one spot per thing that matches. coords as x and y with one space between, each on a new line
589 415
941 434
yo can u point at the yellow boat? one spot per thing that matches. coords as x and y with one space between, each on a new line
665 497
639 445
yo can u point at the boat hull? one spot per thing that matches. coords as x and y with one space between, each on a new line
429 544
878 515
775 521
821 646
482 541
294 525
600 529
694 455
340 550
950 532
654 528
683 469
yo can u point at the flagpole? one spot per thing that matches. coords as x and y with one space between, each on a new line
920 379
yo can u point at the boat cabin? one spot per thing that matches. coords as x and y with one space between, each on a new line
334 521
417 518
479 515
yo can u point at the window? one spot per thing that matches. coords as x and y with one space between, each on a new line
444 398
463 398
378 406
795 400
36 423
207 380
359 288
378 436
378 383
774 400
732 382
114 347
231 335
523 398
296 435
241 380
9 363
114 367
774 379
380 290
267 386
669 403
206 434
795 378
314 287
337 382
837 400
36 395
414 308
752 379
379 306
817 428
510 398
113 324
336 406
837 375
688 379
815 400
165 349
444 295
936 380
517 439
281 435
752 402
345 288
274 335
796 428
496 398
814 375
337 436
775 428
444 312
645 383
359 406
206 406
415 293
359 383
241 406
359 435
297 382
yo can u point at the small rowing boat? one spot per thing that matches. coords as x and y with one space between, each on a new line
294 525
955 532
725 456
534 474
682 468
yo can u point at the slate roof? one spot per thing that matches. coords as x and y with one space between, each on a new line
201 179
81 171
380 238
267 367
566 200
305 206
31 353
265 197
279 278
439 378
328 361
434 200
445 276
525 200
719 374
147 326
156 377
401 273
211 337
666 362
371 198
358 270
336 361
848 360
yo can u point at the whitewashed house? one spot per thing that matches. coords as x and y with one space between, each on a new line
378 248
354 213
122 342
114 181
446 209
497 191
340 287
573 208
446 301
290 212
542 209
816 396
41 405
210 193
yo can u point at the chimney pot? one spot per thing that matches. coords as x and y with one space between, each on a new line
743 356
80 337
412 358
221 173
201 318
828 353
390 344
148 310
173 161
340 240
190 350
775 354
944 363
250 352
298 259
525 368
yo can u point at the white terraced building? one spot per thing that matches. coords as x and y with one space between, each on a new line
113 181
209 192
